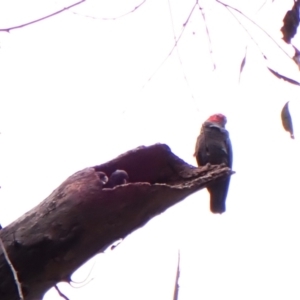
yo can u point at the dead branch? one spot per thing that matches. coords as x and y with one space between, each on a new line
208 36
229 7
176 288
60 293
177 50
43 18
174 46
17 282
82 217
111 18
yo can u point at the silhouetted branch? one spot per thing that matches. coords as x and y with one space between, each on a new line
258 26
176 288
43 18
177 50
208 36
278 75
261 6
15 275
112 18
82 217
247 31
60 293
175 45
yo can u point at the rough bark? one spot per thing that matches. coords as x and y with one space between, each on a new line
80 218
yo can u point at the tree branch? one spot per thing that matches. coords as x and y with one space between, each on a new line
21 297
111 18
60 293
177 50
208 36
174 46
257 25
41 19
176 288
82 217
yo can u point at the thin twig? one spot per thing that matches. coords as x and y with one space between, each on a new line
258 26
176 288
247 31
112 18
177 50
264 56
208 37
262 6
174 46
84 282
60 293
13 270
43 18
81 286
251 37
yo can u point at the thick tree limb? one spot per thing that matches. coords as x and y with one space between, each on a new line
81 218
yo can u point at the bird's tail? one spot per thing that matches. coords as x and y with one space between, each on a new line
218 193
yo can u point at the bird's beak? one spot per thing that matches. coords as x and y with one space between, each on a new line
104 179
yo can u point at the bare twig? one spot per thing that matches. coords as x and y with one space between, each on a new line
60 293
254 41
262 6
177 50
208 36
247 31
176 288
84 282
258 26
43 18
278 75
112 18
81 286
175 38
18 284
174 46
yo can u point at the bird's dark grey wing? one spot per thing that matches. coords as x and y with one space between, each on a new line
214 140
200 149
229 150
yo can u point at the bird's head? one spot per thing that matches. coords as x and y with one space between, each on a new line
218 118
102 177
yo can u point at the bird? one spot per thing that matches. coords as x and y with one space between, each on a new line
116 178
102 177
213 146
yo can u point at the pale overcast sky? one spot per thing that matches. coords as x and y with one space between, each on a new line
75 93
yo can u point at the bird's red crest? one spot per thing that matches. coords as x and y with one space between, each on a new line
218 118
